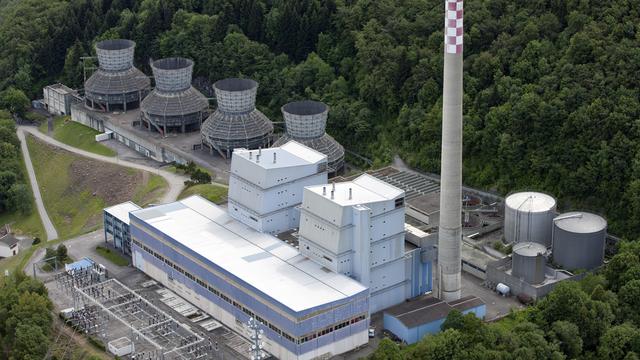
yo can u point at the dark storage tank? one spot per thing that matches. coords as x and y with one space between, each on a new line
579 240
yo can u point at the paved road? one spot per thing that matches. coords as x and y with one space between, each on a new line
176 182
52 234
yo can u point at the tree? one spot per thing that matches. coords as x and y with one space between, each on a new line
14 100
618 267
61 252
629 296
568 336
20 198
30 342
618 341
386 350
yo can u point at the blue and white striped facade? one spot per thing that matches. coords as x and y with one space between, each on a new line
234 272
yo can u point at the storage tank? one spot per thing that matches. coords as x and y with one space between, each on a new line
579 240
528 217
528 262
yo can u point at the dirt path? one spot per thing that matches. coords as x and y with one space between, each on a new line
176 182
52 234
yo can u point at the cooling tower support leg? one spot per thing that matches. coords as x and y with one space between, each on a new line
450 228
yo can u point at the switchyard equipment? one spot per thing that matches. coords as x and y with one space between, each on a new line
117 85
236 123
306 123
356 228
174 105
528 262
579 240
450 226
528 217
265 186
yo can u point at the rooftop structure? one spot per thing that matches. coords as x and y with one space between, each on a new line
236 123
117 84
356 228
266 186
306 122
235 273
174 104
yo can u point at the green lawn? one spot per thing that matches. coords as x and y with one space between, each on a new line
76 208
213 192
151 191
112 256
76 135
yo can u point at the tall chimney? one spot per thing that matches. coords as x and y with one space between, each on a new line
450 227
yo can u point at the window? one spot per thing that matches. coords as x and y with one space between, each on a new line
399 202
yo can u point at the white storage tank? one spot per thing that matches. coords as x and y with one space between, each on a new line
579 240
528 262
528 217
503 289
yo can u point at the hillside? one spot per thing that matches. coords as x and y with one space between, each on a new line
551 87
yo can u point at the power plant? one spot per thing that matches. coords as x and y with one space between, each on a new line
236 123
450 227
306 122
174 105
117 85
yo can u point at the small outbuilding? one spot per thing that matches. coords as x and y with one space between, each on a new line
9 244
416 318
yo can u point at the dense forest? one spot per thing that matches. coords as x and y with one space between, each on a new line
596 318
551 86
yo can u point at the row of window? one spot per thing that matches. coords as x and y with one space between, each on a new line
248 312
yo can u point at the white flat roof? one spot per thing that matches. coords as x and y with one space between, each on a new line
261 260
290 154
364 189
121 211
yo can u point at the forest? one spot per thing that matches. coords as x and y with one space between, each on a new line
551 86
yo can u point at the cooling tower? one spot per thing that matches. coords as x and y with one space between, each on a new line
174 105
306 122
450 227
236 122
117 85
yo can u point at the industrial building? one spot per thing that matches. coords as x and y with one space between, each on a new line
236 123
9 244
58 98
356 228
266 186
306 122
174 105
117 85
116 224
235 273
416 318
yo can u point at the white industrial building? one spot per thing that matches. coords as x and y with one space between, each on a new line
235 273
357 229
58 99
9 244
266 186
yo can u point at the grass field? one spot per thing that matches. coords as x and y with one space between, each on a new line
212 192
112 256
76 135
75 189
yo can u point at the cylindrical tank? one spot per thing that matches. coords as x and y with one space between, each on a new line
172 74
579 240
236 95
528 217
503 289
115 55
528 262
305 119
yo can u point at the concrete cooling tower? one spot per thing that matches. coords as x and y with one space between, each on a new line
117 85
174 105
306 122
236 123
